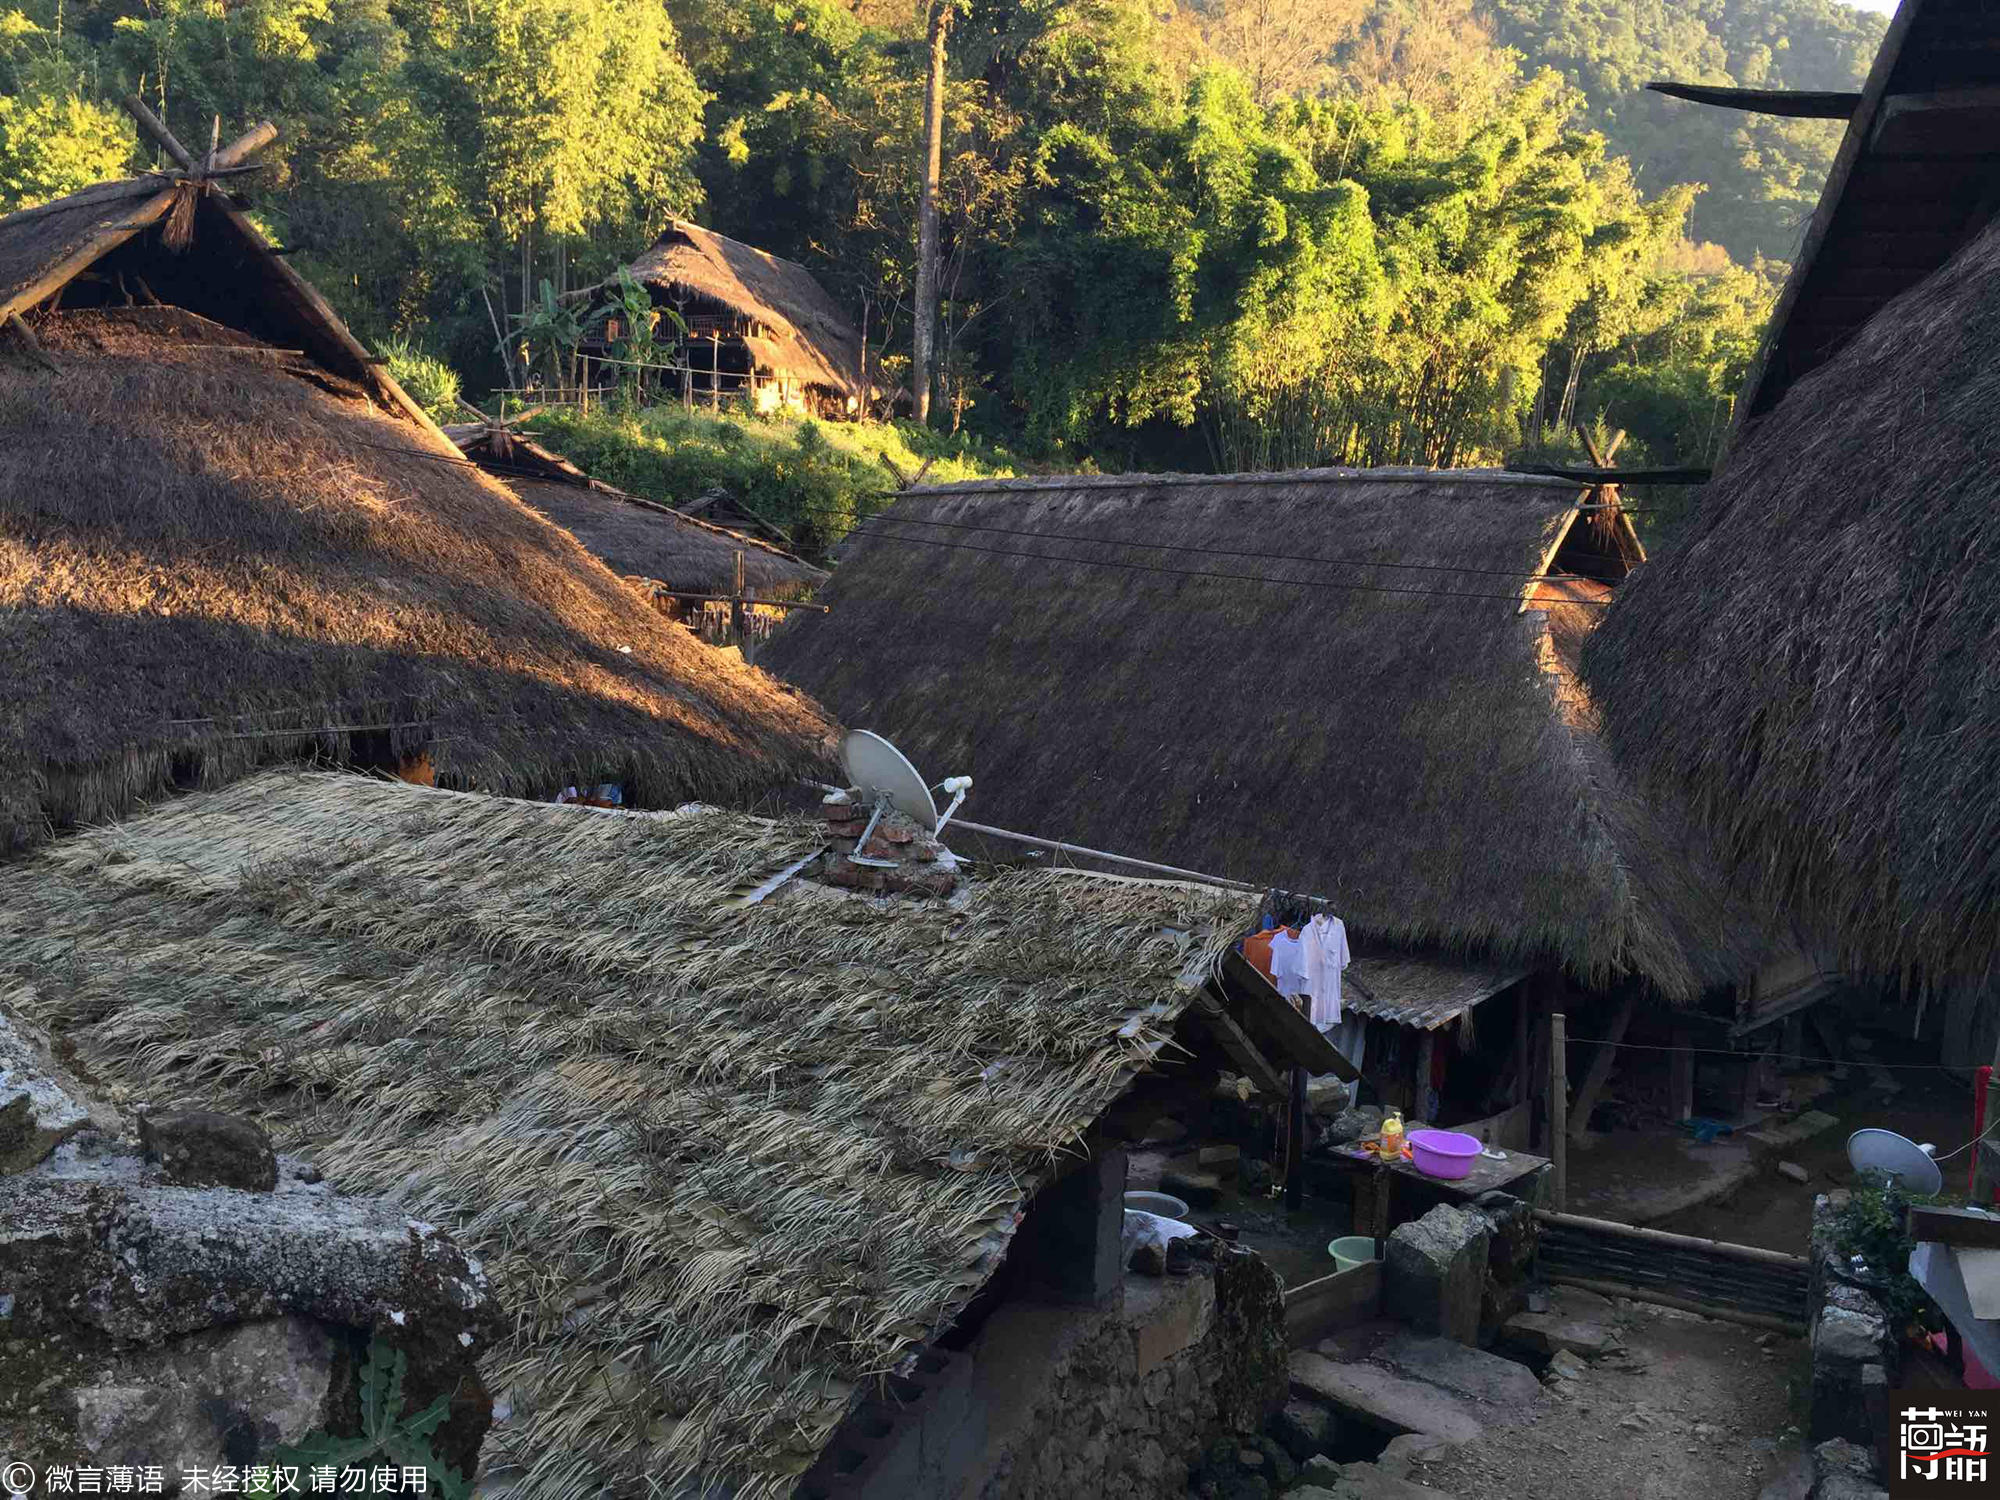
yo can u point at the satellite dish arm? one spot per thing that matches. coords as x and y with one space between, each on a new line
958 786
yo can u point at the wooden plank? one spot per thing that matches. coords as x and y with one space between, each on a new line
1281 1025
1318 1309
1236 1042
1600 1069
1794 104
1955 1226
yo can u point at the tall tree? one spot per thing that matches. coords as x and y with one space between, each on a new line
922 345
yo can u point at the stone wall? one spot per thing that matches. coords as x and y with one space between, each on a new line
1127 1410
1853 1346
175 1296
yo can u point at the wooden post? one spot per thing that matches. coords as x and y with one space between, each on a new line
1792 1047
1680 1075
1982 1178
1600 1068
1295 1142
1523 1086
1559 1109
715 387
1421 1098
738 618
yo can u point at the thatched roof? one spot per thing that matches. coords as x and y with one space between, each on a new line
806 336
1818 663
635 537
724 1164
226 537
1914 180
1400 751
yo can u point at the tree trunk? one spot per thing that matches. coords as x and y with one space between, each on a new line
921 361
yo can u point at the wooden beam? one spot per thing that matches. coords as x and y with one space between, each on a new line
1683 474
1754 1255
1319 1308
59 275
1955 1226
153 126
1600 1069
1236 1042
1279 1023
255 139
1793 104
1559 1109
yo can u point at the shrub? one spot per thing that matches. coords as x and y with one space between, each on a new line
431 382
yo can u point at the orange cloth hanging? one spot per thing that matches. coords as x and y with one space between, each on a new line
1257 948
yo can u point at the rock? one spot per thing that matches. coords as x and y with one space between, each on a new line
1564 1365
229 1396
1794 1482
1250 1458
1387 1402
1434 1273
1320 1470
1303 1428
1850 1338
1793 1171
199 1148
1164 1131
1550 1333
1837 1455
1253 1176
1847 1487
1453 1367
1150 1259
1538 1302
1196 1188
1217 1156
1327 1096
1280 1465
1766 1340
42 1104
1377 1482
1412 1448
1313 1491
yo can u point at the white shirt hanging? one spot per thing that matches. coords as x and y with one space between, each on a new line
1288 964
1323 950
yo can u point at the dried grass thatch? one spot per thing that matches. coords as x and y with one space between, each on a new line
1398 752
806 336
635 537
225 538
725 1164
1818 664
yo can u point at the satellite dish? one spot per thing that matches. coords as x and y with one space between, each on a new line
881 773
1898 1157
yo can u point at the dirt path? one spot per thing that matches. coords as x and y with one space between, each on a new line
1690 1408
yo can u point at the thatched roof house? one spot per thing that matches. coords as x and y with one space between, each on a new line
726 1164
640 539
227 536
1913 182
1352 684
1818 664
779 320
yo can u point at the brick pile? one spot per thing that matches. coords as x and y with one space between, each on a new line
924 867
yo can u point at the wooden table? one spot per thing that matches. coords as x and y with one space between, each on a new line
1374 1181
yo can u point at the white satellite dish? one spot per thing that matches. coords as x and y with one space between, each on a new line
881 773
881 778
1899 1158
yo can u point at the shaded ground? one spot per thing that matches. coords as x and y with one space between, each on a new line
1691 1408
1732 1190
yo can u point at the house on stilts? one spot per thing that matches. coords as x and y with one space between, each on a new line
1356 685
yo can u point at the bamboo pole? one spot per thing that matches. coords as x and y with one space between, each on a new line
1754 1254
1559 1108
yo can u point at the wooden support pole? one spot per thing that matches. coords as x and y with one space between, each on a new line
1295 1142
1982 1177
1749 1254
1600 1069
1680 1075
738 619
253 140
1523 1079
155 127
1559 1108
1420 1098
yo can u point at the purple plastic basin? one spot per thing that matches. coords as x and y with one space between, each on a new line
1444 1153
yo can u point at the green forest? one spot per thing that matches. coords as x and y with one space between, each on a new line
1187 234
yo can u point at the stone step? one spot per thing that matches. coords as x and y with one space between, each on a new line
1546 1333
1777 1135
1451 1366
1392 1403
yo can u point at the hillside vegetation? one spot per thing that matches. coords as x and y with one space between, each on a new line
1232 234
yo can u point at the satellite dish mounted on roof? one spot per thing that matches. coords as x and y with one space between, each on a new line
883 778
1898 1158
